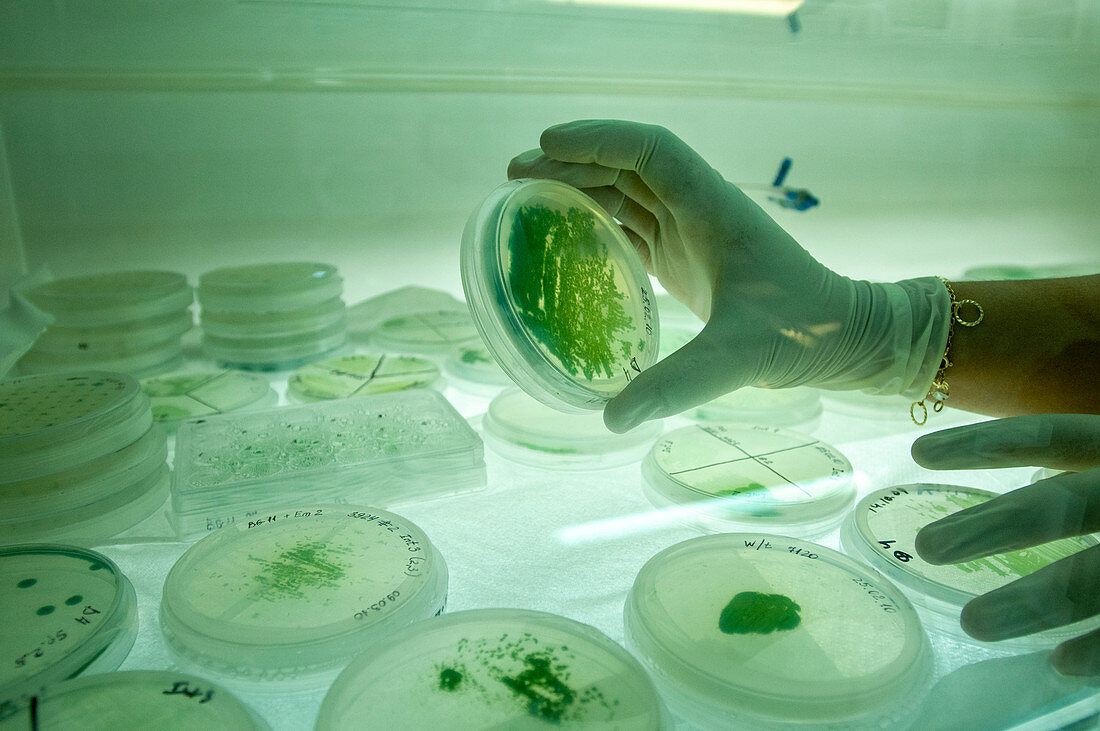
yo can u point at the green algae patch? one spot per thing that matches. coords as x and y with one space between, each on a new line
308 565
752 612
449 679
546 694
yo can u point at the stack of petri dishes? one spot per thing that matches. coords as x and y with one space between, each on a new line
80 457
272 317
121 321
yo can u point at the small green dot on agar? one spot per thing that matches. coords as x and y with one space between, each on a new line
43 611
26 583
75 599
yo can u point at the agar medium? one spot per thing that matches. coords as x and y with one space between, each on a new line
425 333
66 611
494 668
524 430
788 407
361 375
725 476
558 294
472 368
764 631
136 699
189 395
882 531
294 593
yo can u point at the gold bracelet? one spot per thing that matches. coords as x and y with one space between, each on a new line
939 390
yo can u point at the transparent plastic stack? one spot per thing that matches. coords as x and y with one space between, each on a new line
80 458
130 322
272 317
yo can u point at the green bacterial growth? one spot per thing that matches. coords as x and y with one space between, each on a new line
564 289
449 678
752 612
308 564
547 696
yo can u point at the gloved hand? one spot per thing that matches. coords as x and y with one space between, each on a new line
775 317
1065 505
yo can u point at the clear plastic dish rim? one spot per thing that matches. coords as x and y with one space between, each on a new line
135 333
809 409
503 332
280 297
482 375
213 280
124 314
723 695
320 346
335 703
168 285
249 325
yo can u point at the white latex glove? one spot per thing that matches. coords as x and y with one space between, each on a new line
1065 505
774 316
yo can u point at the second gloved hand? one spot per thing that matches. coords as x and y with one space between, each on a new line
774 316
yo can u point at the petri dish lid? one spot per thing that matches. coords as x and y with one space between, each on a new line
776 629
494 668
281 354
474 363
66 611
728 476
527 431
246 325
361 375
365 315
138 698
103 299
297 592
770 407
882 531
558 294
51 423
115 340
425 332
271 287
189 395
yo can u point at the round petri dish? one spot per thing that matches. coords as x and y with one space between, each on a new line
795 407
558 294
998 272
189 395
763 631
106 299
473 368
137 699
859 405
361 375
882 531
524 430
55 422
245 325
272 287
294 593
494 668
726 476
139 363
66 611
426 333
277 353
113 341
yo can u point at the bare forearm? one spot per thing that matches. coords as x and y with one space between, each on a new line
1037 349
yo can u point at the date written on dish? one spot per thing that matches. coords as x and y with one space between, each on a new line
379 605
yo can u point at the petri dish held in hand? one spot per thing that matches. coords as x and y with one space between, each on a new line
558 294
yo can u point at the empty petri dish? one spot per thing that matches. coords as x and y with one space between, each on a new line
51 423
361 375
294 593
882 531
66 611
524 430
799 407
726 476
271 287
428 333
189 395
473 368
763 631
276 353
116 340
248 325
558 294
494 668
105 299
137 699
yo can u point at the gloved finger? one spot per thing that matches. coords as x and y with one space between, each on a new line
535 164
663 390
1079 656
1058 441
628 212
634 187
643 249
1056 595
1058 507
670 168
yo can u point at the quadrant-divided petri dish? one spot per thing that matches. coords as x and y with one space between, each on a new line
270 287
725 476
494 668
473 368
793 407
882 531
189 395
361 375
763 631
65 611
152 699
294 593
558 294
524 430
426 333
113 297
